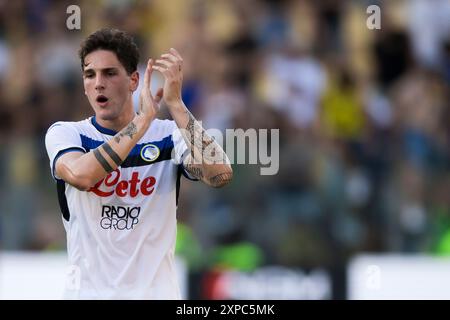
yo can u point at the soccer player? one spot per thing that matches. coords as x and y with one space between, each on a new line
118 173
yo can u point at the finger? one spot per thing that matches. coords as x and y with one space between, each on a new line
164 63
170 57
148 73
159 95
160 69
175 52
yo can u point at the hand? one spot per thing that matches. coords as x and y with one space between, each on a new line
149 105
170 65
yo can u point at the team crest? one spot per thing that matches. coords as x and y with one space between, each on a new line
150 152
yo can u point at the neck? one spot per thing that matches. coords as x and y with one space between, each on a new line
119 122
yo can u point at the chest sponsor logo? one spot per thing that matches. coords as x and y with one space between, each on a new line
119 217
112 185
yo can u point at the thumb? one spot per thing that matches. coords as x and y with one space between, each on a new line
159 95
148 76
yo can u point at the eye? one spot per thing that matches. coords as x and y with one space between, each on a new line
111 73
89 75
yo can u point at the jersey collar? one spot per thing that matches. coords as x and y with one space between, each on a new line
102 129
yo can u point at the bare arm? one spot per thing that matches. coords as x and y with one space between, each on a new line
207 160
84 170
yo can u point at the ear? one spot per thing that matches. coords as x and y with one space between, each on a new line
134 83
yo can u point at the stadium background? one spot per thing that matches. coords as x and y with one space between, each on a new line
364 134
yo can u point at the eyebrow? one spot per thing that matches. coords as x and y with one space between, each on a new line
102 69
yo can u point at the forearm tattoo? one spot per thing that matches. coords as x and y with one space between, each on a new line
190 129
200 140
102 161
215 181
221 179
194 171
129 131
114 156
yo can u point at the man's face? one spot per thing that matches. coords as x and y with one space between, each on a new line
107 84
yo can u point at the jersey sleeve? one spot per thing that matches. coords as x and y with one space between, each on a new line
181 151
61 138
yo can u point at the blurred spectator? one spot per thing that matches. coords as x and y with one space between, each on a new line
429 27
294 84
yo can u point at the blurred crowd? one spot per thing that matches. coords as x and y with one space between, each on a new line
363 118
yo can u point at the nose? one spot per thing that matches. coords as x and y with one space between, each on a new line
99 82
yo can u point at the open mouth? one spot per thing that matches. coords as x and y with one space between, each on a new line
101 99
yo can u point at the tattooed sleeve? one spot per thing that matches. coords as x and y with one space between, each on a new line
204 151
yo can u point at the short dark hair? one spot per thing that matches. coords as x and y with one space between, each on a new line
117 41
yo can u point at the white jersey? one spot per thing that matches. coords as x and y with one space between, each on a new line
121 233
